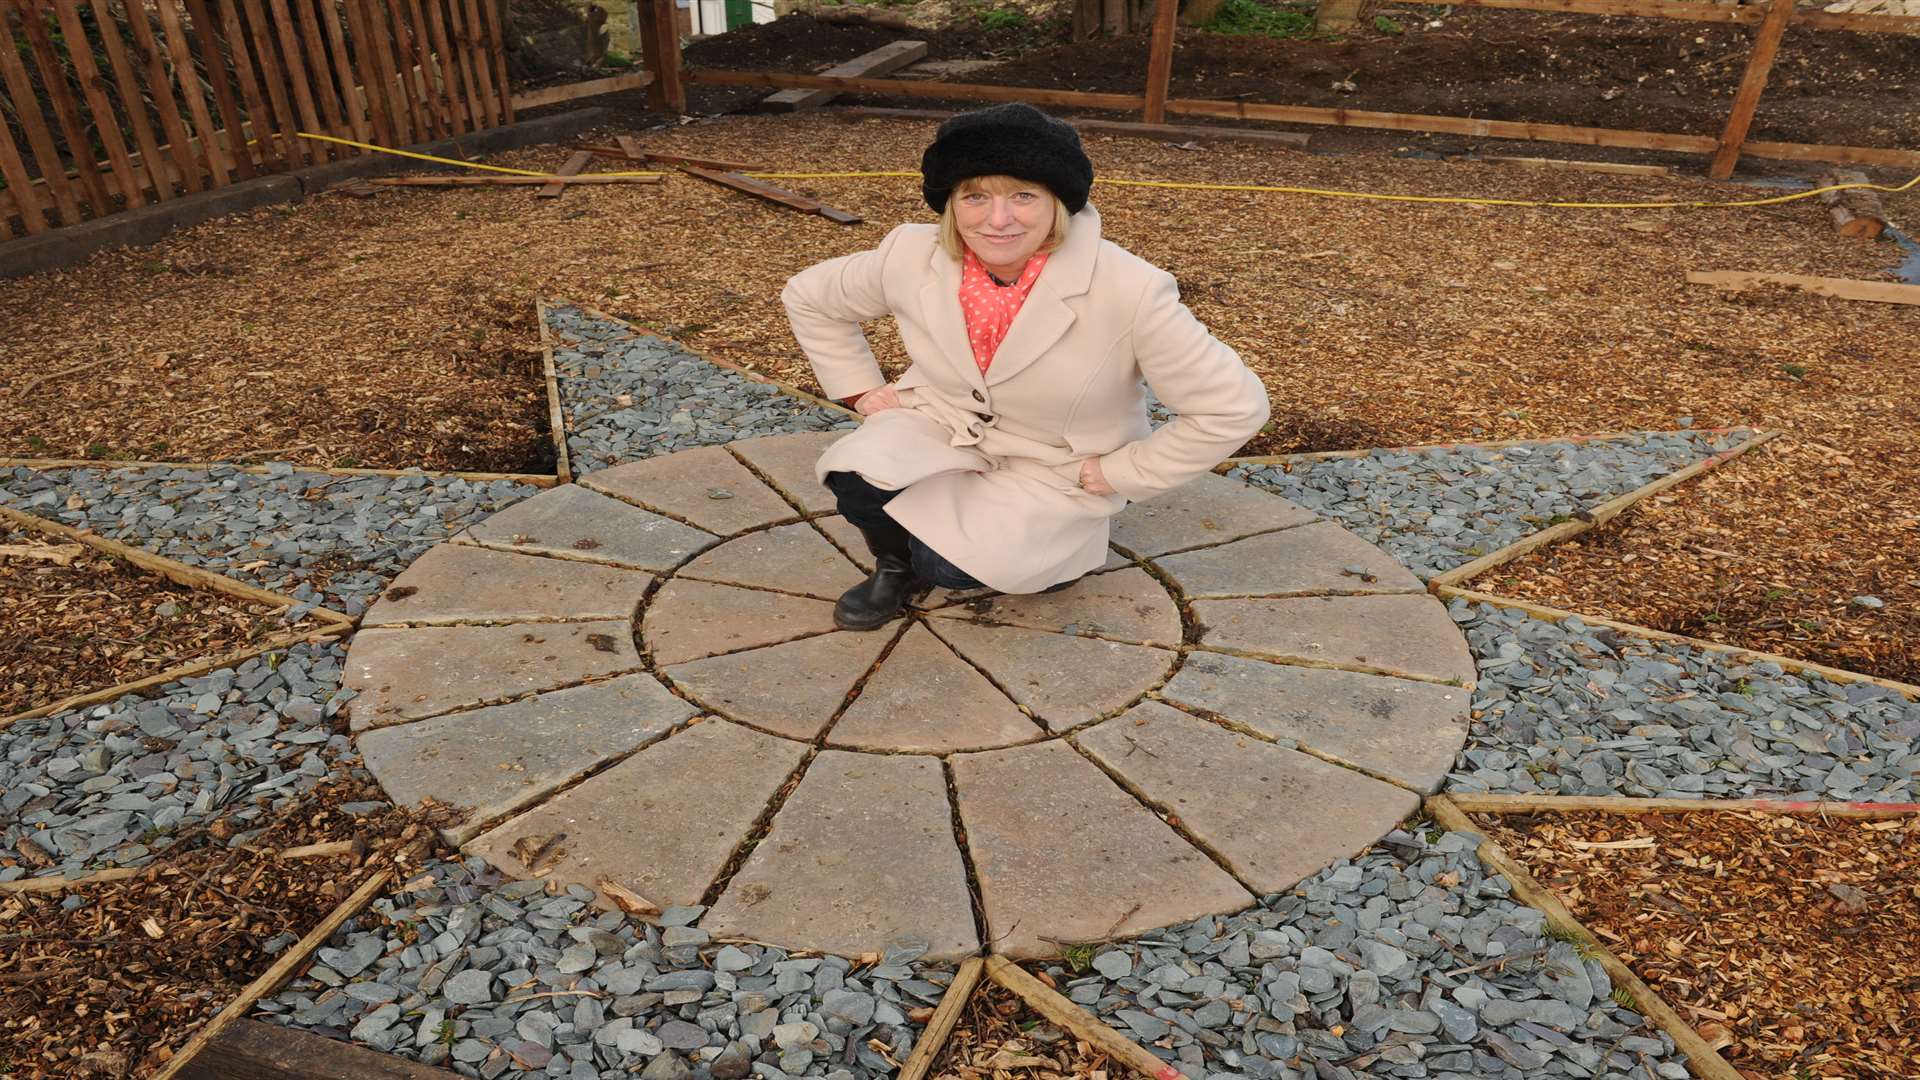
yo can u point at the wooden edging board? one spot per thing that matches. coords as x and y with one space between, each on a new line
530 479
1788 663
1078 1021
1494 444
1594 518
940 1025
556 412
256 1050
1702 1060
1880 292
1608 804
282 969
1186 132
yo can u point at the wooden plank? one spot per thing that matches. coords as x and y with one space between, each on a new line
53 77
1181 132
1595 517
239 154
187 80
13 169
769 192
503 181
459 116
556 409
296 151
496 49
1160 60
922 88
255 1050
366 69
1614 168
353 104
1879 292
481 46
433 100
270 979
932 1040
286 31
576 163
1417 448
270 150
1752 84
93 88
1688 11
884 60
33 122
1788 663
553 95
320 76
1607 804
1702 1060
180 145
1449 125
1078 1020
62 884
539 480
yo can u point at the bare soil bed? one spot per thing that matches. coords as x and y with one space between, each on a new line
1798 936
79 620
96 992
1373 324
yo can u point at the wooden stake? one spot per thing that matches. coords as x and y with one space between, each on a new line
934 1039
1701 1058
1765 47
1879 292
578 161
1160 60
769 192
1611 167
884 60
556 410
1078 1020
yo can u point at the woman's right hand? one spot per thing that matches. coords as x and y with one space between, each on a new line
874 401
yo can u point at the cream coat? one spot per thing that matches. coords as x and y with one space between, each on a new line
988 466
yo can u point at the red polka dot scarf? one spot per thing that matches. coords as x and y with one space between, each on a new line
990 308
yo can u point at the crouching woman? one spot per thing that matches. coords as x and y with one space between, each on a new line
1021 425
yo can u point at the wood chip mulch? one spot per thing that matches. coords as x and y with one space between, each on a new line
113 988
78 619
1797 936
1000 1037
1372 323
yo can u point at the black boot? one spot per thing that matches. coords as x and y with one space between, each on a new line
883 596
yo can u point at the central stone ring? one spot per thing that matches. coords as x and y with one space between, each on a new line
635 684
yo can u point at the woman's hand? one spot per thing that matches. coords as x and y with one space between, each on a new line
874 401
1092 480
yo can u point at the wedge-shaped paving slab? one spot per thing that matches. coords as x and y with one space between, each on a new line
707 487
452 583
1127 605
1395 635
1062 854
846 536
790 558
927 700
497 760
1275 815
1310 559
861 855
571 522
687 620
416 672
1407 731
788 461
1062 680
1210 510
663 823
791 689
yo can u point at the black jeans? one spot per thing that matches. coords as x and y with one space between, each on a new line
861 502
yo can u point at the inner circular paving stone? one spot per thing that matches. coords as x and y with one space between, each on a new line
634 683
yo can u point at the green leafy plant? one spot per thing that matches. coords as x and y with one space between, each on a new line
1079 956
1797 371
1249 18
1002 19
1623 999
1387 26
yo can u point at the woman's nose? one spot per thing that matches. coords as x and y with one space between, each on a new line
1002 213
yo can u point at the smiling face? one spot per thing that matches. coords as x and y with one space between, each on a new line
1004 221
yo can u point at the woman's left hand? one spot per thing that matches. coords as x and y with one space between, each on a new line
1092 480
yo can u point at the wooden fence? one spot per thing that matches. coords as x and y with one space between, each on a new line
1771 20
111 106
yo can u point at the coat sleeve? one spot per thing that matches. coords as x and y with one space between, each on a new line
1218 404
827 302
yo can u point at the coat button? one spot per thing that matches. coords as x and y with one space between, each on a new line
978 396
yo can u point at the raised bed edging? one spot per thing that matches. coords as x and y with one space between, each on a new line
74 244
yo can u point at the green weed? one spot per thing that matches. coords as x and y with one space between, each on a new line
1249 18
1387 26
1002 19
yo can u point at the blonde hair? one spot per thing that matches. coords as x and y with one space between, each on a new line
950 238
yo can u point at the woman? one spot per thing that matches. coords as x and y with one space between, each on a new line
1021 425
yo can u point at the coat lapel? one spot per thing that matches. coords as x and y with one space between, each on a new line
1045 317
940 307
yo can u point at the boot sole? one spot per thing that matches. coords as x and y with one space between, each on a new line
847 623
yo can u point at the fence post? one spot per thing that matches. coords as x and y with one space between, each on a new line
660 49
1765 46
1160 59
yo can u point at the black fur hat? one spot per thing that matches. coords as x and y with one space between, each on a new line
1007 140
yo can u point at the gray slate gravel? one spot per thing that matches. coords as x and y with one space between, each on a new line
330 540
1570 709
1434 510
109 785
630 396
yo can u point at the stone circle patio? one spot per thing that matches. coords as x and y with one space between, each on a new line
636 679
